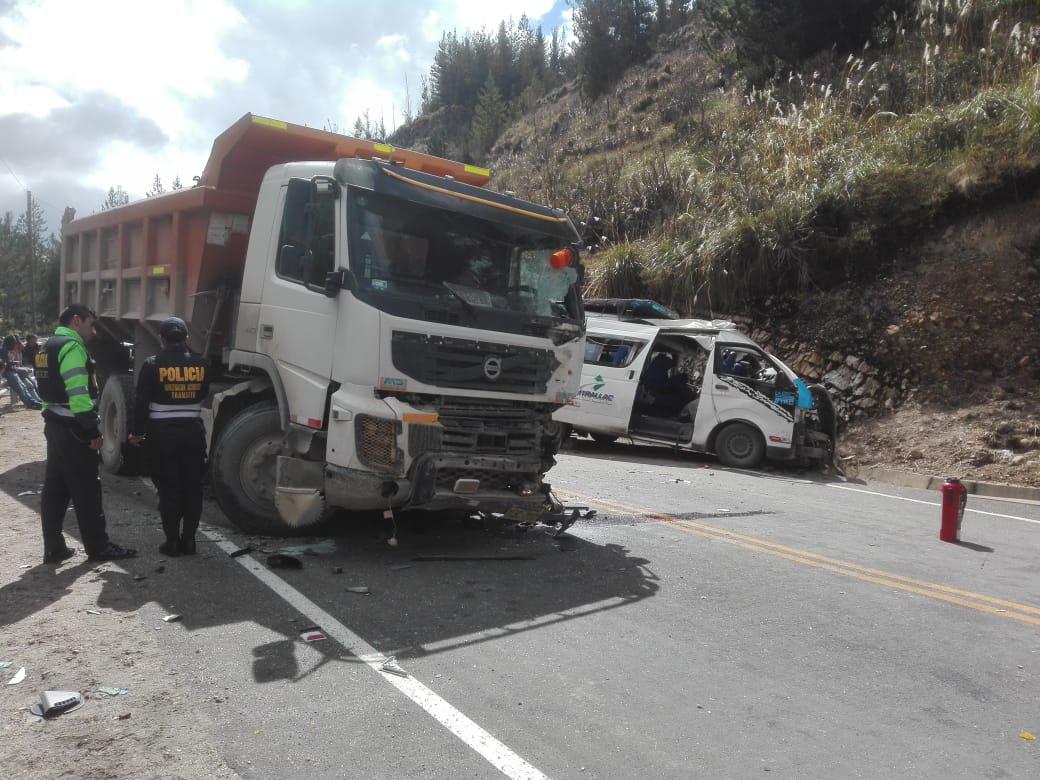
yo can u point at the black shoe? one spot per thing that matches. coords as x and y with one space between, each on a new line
58 555
188 546
169 548
113 553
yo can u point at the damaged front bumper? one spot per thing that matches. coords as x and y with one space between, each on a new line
438 481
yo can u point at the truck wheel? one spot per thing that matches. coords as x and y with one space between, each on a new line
558 433
244 461
116 407
740 446
603 438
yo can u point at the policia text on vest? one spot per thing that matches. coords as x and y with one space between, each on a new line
65 375
168 418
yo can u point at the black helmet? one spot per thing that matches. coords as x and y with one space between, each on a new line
173 329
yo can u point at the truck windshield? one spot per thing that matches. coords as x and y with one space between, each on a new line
421 262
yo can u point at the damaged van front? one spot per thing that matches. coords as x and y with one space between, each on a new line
698 385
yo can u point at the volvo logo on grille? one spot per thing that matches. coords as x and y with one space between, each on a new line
493 367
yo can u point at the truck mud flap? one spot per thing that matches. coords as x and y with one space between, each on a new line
299 491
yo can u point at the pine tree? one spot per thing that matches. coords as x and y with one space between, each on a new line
488 119
177 183
157 187
116 197
662 18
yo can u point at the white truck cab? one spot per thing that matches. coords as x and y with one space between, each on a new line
698 385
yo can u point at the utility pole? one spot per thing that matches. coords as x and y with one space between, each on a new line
32 260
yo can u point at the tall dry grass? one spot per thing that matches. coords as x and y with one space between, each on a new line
817 177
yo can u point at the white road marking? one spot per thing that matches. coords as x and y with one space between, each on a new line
932 503
494 752
526 625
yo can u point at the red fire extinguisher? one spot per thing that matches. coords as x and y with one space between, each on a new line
954 499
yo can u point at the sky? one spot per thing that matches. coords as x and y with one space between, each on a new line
97 93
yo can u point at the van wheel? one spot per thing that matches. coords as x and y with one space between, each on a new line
603 438
740 446
244 461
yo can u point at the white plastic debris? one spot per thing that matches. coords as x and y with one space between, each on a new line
18 677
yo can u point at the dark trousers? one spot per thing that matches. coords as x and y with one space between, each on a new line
72 473
177 454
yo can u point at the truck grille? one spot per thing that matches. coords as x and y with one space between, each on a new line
476 365
482 427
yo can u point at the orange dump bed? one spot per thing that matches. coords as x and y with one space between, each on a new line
163 256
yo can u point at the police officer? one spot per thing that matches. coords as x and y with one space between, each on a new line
168 412
65 374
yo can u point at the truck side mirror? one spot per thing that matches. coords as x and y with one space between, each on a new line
321 190
340 279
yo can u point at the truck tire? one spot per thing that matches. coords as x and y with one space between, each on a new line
116 407
243 463
558 433
738 445
603 438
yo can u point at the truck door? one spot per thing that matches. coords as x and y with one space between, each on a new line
747 386
297 322
609 378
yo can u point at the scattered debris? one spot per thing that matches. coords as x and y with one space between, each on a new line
318 548
27 493
139 577
171 618
124 716
401 567
240 551
338 570
280 561
312 634
25 566
1027 736
362 589
18 677
390 666
473 558
93 611
108 690
5 664
55 703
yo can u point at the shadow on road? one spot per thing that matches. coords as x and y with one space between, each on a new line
415 607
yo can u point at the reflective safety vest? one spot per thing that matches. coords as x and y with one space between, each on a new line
65 376
173 384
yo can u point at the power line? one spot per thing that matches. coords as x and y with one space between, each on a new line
9 170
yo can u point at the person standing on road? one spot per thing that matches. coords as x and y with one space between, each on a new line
168 413
65 374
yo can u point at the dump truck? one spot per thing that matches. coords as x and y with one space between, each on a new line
384 331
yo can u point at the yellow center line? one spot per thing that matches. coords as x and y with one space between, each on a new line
1010 609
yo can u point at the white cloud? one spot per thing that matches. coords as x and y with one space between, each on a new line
170 75
391 41
149 55
475 14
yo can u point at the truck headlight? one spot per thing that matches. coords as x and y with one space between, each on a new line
375 439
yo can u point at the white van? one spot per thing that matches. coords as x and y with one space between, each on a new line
697 385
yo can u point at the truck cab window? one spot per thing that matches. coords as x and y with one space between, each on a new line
291 249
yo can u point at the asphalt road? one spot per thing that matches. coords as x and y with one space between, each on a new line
705 623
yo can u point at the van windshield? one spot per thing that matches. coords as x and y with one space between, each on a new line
426 263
